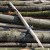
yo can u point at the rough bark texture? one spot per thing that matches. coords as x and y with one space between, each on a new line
15 36
40 14
13 26
26 8
30 45
41 23
22 3
18 2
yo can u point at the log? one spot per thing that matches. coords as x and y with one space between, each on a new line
39 14
26 8
22 3
34 15
41 23
22 29
36 31
13 26
15 36
30 45
4 25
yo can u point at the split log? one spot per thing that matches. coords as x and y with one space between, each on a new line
15 36
30 45
41 23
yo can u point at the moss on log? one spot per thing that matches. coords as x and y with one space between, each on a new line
37 14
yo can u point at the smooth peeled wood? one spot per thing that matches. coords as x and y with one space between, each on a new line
39 23
26 8
15 36
30 45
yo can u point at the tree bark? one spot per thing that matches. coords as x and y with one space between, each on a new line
26 8
33 45
41 23
25 3
15 36
22 3
13 26
40 14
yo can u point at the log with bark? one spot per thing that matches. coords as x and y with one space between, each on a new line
26 8
13 26
22 3
16 36
25 3
4 26
39 14
41 23
24 45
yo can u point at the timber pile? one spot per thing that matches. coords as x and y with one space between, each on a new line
12 30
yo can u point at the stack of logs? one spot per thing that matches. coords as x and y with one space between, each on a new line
12 31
